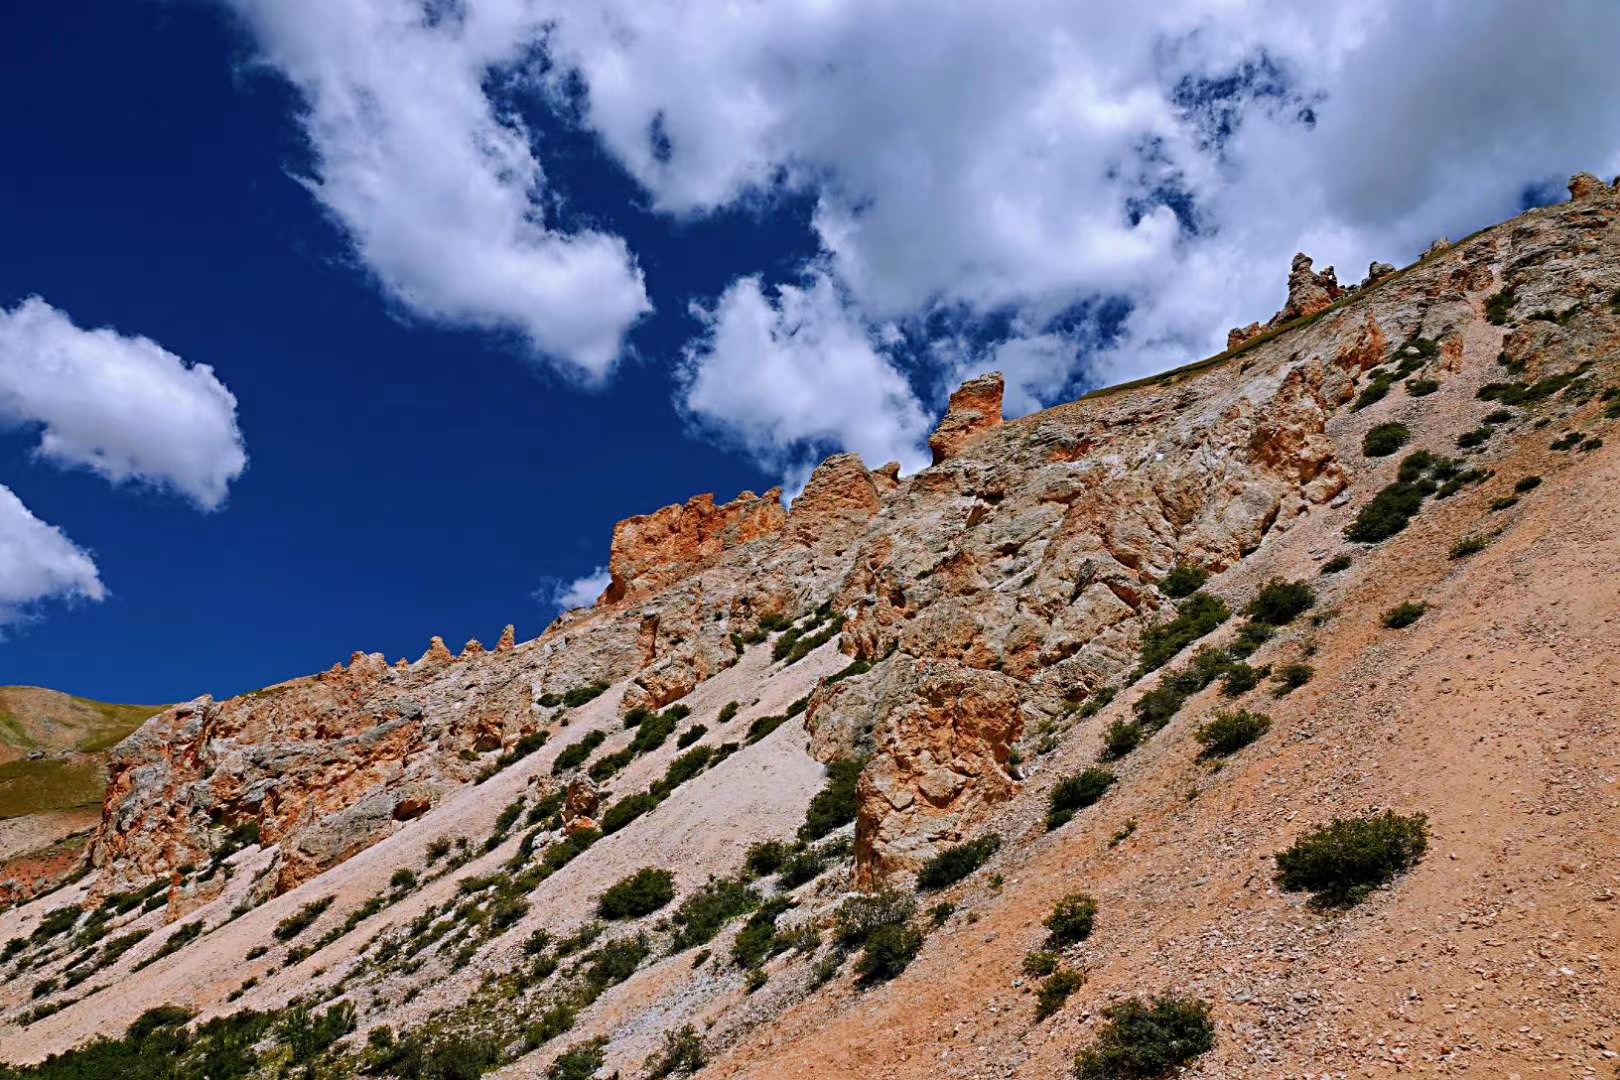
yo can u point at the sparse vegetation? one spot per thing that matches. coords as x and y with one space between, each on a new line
1421 387
1343 861
575 754
1385 439
1526 484
300 920
1499 306
642 893
728 712
1197 615
702 915
1279 603
956 862
1403 615
1071 921
1183 581
579 695
1338 564
1147 1040
1074 793
834 805
1121 738
626 810
1230 732
1291 677
1054 991
1470 545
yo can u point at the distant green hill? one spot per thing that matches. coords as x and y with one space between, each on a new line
73 733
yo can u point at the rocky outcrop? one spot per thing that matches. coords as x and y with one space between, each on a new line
1308 292
1376 272
1239 336
654 550
1585 186
974 408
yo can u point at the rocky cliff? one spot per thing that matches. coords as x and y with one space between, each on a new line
896 669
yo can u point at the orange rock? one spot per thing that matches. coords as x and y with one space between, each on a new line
655 550
508 639
974 408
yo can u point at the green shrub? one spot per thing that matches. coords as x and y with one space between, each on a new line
956 862
1506 502
1385 439
1040 963
1375 391
634 717
1385 514
834 805
1054 991
610 765
887 951
702 915
403 880
1196 616
1147 1040
1291 677
1527 484
300 920
682 1055
728 712
800 867
684 767
1098 701
763 726
1477 437
575 754
627 810
1279 603
1499 306
611 964
642 893
690 736
579 1062
1230 732
757 941
1071 920
1470 545
555 1021
1239 680
1074 793
579 695
1403 615
765 857
1421 387
1121 738
1183 581
1344 860
653 732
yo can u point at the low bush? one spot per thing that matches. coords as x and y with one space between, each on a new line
642 893
681 1055
1403 615
834 805
1279 603
1120 739
702 915
1506 502
579 695
1196 616
1291 677
887 952
1239 680
575 754
1375 391
690 736
1146 1040
653 731
1385 439
1054 991
1477 437
1041 963
627 810
579 1062
1385 514
957 862
1230 732
1074 793
1183 581
610 765
1071 920
1344 860
757 941
300 920
1527 484
1421 387
764 725
1499 306
1470 545
728 712
765 857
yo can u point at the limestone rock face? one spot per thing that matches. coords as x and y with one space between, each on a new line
581 804
654 550
974 408
1585 186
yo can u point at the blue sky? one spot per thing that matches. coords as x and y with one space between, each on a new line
475 281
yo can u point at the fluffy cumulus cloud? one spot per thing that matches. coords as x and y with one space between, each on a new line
121 407
776 374
441 195
581 592
38 562
1011 161
1071 192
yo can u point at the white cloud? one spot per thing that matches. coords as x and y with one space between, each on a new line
995 158
38 563
123 407
441 196
790 378
581 592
